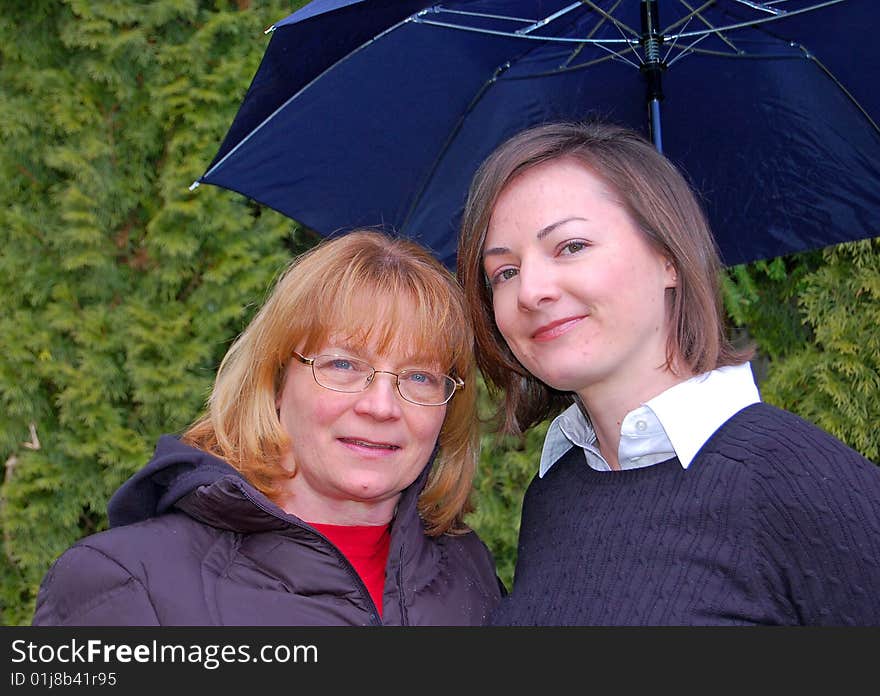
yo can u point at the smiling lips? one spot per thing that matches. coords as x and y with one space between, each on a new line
556 328
379 446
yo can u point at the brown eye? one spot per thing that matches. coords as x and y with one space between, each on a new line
573 247
503 275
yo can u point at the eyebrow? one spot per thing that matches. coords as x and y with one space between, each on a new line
543 232
350 349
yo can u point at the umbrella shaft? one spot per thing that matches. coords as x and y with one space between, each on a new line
651 37
652 68
656 131
652 65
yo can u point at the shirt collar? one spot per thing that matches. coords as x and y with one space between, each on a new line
677 422
569 429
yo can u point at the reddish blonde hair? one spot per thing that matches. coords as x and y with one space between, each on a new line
370 288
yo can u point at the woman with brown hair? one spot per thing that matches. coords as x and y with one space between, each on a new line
667 492
327 482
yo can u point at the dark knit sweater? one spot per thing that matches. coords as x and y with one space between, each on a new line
774 522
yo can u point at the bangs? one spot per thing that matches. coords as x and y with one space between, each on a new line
411 323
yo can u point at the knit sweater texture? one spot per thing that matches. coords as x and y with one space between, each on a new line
775 522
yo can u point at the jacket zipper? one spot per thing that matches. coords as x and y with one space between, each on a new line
377 620
404 617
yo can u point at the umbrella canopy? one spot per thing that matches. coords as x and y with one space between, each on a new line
378 112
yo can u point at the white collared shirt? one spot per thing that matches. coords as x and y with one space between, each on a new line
677 422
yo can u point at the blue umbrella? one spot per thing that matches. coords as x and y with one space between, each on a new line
378 112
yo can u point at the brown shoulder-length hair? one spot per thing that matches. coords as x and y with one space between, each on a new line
364 286
663 206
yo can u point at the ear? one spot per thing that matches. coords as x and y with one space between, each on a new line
671 275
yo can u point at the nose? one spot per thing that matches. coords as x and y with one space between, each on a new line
536 285
380 400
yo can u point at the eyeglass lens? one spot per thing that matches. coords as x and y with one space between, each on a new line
352 375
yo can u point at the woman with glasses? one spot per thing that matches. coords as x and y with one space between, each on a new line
326 483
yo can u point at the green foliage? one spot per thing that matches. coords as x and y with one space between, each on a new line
121 289
834 380
762 298
814 318
507 465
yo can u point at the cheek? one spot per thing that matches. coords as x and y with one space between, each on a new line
324 411
426 426
507 320
302 410
502 314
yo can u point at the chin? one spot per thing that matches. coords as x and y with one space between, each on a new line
556 378
369 491
566 382
552 373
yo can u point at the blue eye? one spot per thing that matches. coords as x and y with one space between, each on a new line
339 364
422 378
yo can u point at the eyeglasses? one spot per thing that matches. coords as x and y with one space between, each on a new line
351 375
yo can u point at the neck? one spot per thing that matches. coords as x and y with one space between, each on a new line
607 404
339 512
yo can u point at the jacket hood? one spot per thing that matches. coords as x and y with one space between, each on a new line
175 470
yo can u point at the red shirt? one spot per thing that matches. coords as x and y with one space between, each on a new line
366 548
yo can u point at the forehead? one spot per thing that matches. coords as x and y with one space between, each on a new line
548 193
554 179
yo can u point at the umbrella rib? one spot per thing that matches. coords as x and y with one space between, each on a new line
439 9
294 96
534 23
501 69
547 20
514 35
616 22
520 34
697 12
590 34
840 86
675 41
613 55
463 116
689 49
765 20
740 55
452 133
760 6
598 42
688 17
